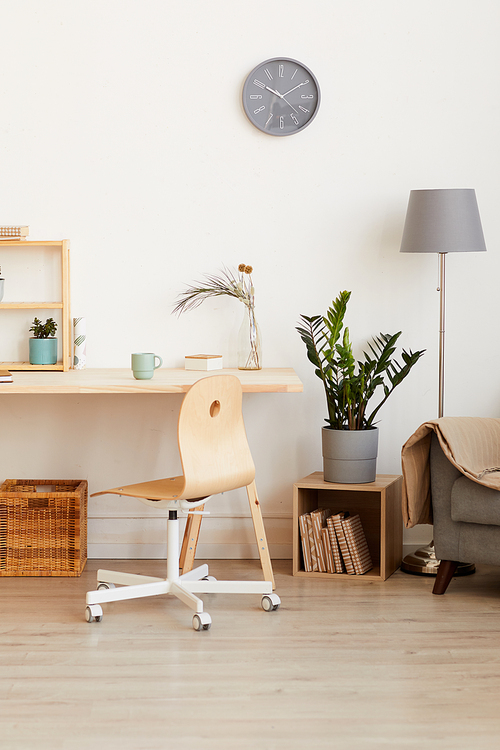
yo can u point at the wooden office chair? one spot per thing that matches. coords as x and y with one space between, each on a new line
215 458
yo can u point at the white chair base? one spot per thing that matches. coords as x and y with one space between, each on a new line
184 587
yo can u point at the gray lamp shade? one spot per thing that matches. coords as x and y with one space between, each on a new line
443 221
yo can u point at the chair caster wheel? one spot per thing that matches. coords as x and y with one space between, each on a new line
209 578
93 612
101 585
270 602
202 621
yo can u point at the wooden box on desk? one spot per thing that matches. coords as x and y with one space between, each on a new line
378 504
43 527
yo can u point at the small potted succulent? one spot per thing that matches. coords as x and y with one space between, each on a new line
43 344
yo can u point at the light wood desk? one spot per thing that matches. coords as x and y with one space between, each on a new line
267 380
94 381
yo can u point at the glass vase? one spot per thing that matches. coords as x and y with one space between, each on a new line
249 342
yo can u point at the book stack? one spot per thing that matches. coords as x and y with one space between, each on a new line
13 233
333 543
5 376
203 362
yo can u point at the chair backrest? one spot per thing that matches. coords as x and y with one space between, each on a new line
212 440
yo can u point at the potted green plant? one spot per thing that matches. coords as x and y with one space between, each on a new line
350 439
43 344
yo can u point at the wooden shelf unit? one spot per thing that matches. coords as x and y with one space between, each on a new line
64 332
378 504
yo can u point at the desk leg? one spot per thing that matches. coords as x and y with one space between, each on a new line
190 542
260 533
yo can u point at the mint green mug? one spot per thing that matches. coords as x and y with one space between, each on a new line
143 365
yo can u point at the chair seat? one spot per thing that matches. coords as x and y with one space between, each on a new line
159 493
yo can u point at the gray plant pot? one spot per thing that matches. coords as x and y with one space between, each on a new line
350 456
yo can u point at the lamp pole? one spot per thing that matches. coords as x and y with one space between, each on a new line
441 290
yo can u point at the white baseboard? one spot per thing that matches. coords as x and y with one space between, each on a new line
222 537
204 551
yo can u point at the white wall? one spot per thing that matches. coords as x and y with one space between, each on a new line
122 129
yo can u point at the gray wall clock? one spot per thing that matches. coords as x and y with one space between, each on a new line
281 96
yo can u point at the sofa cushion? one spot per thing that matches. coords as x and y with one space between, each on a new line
474 503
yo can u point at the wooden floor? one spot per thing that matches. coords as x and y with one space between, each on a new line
340 665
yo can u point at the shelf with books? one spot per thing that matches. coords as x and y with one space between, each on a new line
378 505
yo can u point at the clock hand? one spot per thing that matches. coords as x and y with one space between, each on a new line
289 104
277 93
295 87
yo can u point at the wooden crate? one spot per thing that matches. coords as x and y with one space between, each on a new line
43 527
378 504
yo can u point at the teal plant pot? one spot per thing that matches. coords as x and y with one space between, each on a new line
43 351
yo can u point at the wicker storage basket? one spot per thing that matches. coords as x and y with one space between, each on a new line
43 527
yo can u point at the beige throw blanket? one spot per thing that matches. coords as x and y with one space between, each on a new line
472 444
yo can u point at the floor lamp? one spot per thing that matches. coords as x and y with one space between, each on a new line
440 221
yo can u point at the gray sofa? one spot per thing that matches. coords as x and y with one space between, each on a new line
466 518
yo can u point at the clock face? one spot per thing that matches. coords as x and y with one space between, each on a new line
281 96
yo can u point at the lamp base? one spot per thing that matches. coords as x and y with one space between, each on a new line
423 562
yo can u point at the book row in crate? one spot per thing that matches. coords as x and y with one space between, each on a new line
334 543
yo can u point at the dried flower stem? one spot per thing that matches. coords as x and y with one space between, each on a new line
226 284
